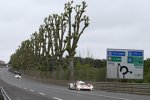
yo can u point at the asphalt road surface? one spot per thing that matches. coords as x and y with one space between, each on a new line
26 89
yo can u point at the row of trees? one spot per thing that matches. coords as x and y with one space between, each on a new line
54 45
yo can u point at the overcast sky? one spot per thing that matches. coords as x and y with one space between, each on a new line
121 24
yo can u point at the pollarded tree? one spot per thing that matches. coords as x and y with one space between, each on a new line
59 33
36 49
43 40
76 28
23 55
26 54
15 61
56 27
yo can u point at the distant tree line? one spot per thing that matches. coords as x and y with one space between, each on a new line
146 70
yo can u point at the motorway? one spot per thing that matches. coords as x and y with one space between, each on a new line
26 89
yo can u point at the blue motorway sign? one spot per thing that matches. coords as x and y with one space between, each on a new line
135 53
116 53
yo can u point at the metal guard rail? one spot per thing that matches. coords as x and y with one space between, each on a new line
133 88
4 94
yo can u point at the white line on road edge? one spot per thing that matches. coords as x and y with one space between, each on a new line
106 96
32 90
25 88
57 98
41 93
20 86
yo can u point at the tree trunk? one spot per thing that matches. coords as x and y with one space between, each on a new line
71 68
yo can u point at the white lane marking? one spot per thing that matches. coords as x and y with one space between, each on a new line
12 84
25 88
106 96
57 98
32 90
42 93
84 93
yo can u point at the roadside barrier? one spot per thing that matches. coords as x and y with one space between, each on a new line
132 88
4 94
1 96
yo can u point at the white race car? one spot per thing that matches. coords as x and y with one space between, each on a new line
18 75
80 85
